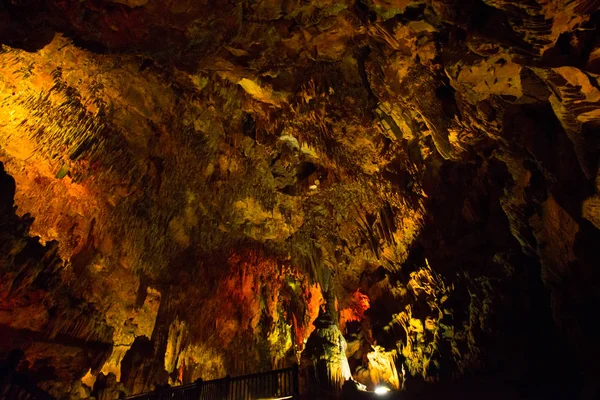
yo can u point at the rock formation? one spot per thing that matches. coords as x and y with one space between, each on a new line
194 181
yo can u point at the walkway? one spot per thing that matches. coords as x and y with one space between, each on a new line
278 384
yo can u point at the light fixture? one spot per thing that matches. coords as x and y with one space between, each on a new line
381 390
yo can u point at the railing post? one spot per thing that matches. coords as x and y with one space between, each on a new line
227 385
198 382
295 376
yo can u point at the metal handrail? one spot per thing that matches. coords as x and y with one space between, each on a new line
271 384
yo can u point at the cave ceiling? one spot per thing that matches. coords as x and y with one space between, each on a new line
204 175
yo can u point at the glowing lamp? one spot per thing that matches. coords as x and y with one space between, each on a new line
381 390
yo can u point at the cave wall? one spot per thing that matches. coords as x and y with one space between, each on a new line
63 336
206 175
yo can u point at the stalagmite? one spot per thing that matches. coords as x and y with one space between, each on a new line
401 193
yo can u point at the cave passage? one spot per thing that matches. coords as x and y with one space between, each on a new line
394 199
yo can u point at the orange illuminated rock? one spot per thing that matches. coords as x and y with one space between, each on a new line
206 177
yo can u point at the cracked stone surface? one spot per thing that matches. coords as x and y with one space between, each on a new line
189 184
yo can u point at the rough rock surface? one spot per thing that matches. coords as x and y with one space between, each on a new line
206 174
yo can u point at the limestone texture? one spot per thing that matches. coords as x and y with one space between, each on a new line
187 185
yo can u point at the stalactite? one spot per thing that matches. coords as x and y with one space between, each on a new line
254 161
